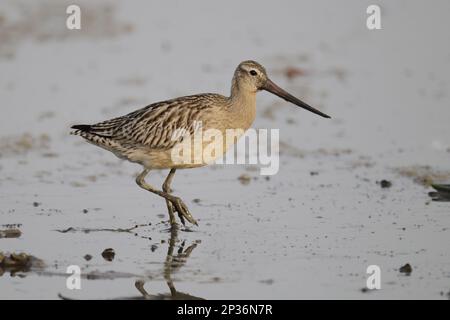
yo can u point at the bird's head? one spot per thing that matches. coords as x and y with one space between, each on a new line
250 77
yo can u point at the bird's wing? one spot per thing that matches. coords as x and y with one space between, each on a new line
158 126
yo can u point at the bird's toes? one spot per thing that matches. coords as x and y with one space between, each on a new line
183 222
183 212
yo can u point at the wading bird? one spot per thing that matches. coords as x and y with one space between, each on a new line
146 136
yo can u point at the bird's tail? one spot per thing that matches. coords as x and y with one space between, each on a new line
86 130
89 133
81 128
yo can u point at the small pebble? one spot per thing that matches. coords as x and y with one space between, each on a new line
244 179
87 257
407 269
385 184
108 254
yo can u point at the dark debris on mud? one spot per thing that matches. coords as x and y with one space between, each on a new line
385 184
88 230
406 269
18 262
108 254
442 192
10 233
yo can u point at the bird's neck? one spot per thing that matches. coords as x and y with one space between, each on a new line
241 94
242 105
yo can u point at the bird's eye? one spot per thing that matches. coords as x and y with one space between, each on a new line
253 72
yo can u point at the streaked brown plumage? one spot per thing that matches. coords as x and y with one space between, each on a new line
146 136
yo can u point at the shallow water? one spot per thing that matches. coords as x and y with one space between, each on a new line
309 231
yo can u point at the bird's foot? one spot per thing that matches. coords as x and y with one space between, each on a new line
171 209
183 211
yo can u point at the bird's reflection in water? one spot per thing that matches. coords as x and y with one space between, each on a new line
174 261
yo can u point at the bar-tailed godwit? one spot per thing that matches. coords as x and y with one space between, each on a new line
146 136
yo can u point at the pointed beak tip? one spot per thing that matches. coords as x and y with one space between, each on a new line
271 87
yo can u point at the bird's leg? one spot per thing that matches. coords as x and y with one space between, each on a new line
177 203
140 180
166 188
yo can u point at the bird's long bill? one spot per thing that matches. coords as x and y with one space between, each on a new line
276 90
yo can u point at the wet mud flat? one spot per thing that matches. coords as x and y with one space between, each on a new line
345 219
350 192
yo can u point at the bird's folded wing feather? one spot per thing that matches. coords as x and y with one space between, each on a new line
158 126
